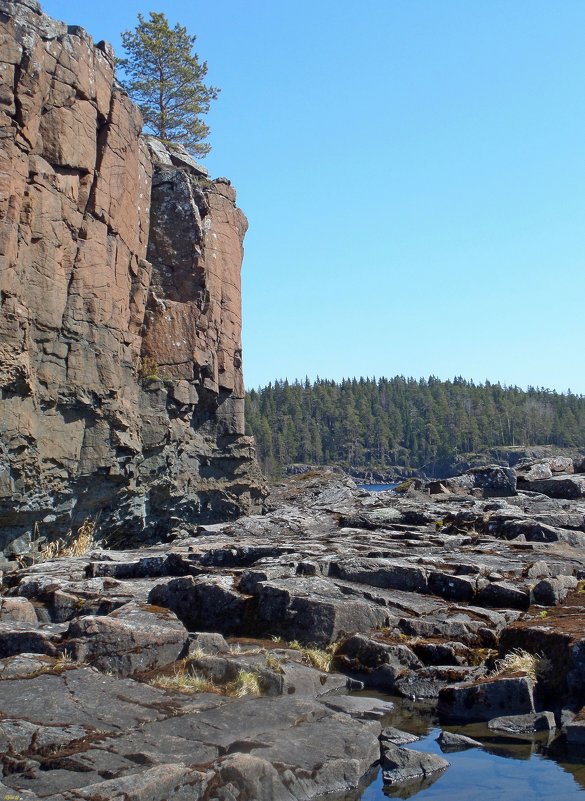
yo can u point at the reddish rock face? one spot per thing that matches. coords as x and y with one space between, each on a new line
121 392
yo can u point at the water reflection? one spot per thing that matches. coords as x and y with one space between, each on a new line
508 767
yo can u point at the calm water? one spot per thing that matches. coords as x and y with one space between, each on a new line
505 769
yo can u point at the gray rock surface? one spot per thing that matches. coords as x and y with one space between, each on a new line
521 724
483 699
449 741
402 766
235 610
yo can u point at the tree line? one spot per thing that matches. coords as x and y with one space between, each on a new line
425 424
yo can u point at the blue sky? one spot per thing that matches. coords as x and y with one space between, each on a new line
413 172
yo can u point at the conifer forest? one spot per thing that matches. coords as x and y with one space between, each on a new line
427 424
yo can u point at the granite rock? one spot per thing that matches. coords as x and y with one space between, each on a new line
121 390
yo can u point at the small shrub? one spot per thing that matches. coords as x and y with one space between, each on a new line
149 369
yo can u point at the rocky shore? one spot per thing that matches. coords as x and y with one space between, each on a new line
221 665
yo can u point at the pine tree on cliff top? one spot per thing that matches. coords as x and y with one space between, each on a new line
164 77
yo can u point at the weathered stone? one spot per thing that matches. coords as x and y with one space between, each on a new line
382 573
397 736
521 724
247 778
362 708
449 741
560 486
426 684
133 639
158 783
401 765
504 594
207 642
377 664
534 471
443 653
484 699
451 587
313 611
575 730
20 638
551 591
207 603
492 481
18 610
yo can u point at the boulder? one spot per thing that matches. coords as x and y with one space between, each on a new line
401 766
504 595
384 573
523 724
492 481
208 603
378 665
559 486
552 591
22 638
397 737
18 610
207 642
449 741
487 698
133 639
313 611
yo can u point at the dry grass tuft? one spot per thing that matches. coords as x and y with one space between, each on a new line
315 657
70 545
184 682
535 666
196 654
246 683
64 661
272 662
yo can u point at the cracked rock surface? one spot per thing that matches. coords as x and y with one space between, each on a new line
226 657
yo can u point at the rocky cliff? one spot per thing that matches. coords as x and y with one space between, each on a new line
121 391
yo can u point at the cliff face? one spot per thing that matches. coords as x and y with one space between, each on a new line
121 392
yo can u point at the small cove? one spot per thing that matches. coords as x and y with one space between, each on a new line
507 768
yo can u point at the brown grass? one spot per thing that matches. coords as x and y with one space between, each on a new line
71 545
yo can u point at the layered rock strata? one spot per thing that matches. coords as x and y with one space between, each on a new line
121 393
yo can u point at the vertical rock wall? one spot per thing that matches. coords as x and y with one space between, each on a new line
121 393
